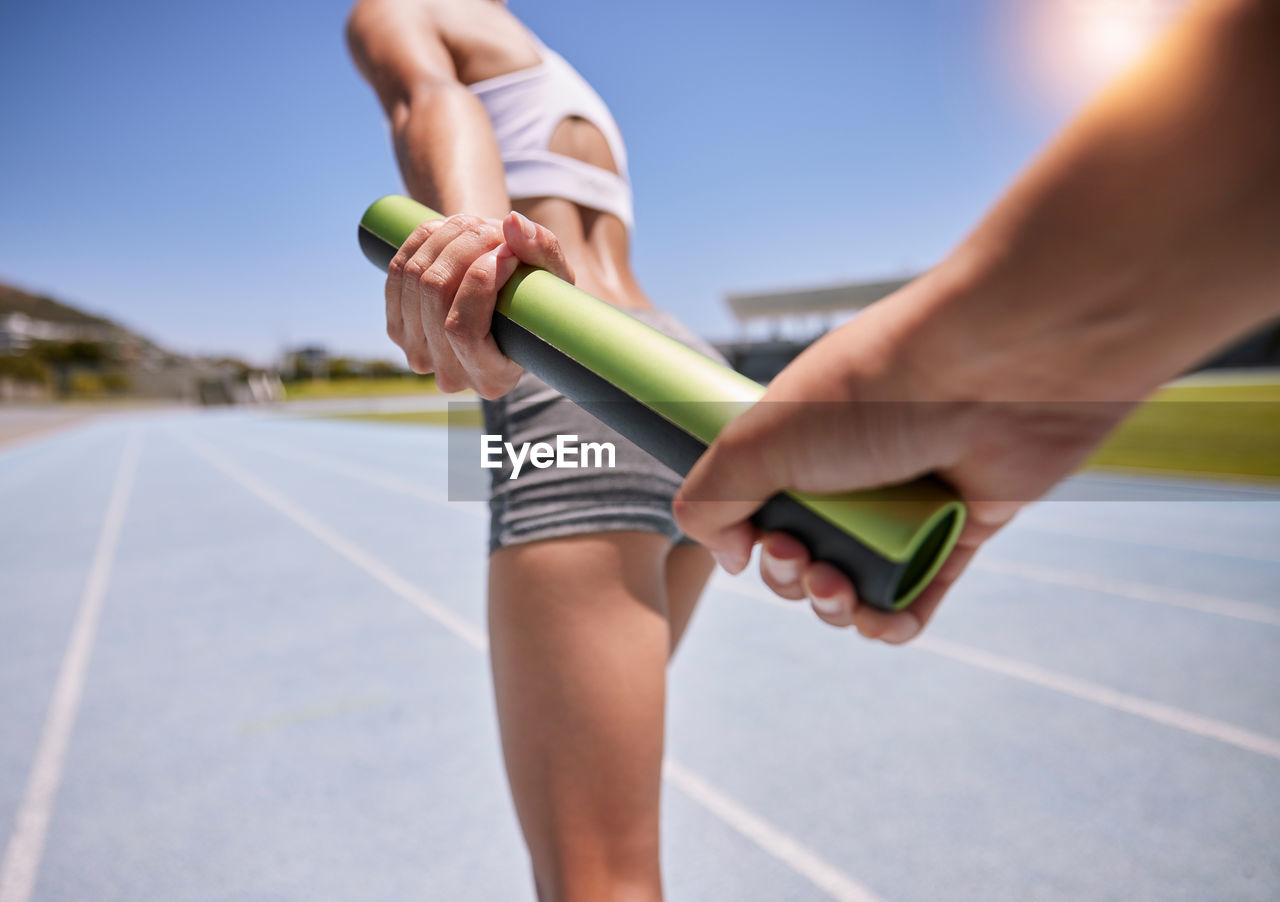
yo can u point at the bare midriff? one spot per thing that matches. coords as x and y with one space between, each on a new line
596 244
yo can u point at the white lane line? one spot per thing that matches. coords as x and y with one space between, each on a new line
1052 680
825 876
353 553
1103 695
364 474
1091 582
1094 582
822 874
1242 551
31 827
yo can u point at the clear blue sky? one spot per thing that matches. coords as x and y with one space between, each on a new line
196 170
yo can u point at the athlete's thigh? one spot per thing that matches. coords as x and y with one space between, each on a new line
579 647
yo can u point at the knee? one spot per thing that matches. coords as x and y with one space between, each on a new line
613 893
579 879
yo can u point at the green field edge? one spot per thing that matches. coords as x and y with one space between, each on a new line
335 389
1170 436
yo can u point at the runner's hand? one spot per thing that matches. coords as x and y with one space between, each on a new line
442 286
853 411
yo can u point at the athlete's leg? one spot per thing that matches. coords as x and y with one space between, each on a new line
580 642
688 567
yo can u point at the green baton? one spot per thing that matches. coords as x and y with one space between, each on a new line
672 402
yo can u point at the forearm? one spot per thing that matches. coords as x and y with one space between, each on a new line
1144 238
448 155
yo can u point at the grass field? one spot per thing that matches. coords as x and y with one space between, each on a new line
1201 427
318 389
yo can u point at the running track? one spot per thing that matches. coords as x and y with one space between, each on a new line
242 657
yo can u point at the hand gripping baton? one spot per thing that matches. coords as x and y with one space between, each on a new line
672 402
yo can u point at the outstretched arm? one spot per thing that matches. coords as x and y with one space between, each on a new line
442 285
1141 240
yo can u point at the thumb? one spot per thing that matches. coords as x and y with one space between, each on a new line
808 446
725 487
535 245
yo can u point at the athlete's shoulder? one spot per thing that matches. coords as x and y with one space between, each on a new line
399 45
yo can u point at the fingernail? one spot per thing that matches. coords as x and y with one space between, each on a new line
503 250
901 630
526 227
781 570
828 606
733 562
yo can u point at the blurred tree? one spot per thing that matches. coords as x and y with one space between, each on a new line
63 357
384 368
116 382
25 368
84 384
345 368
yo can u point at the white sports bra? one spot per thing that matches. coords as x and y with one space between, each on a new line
525 106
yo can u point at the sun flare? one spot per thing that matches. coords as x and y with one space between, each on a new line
1078 45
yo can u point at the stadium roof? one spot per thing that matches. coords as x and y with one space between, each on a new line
803 301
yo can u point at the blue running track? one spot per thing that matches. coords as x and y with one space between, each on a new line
242 657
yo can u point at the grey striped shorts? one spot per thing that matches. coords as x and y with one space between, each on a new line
551 503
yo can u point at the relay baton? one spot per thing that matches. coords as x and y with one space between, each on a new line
672 402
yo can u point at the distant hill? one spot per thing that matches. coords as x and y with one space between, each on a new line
15 300
49 350
67 323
